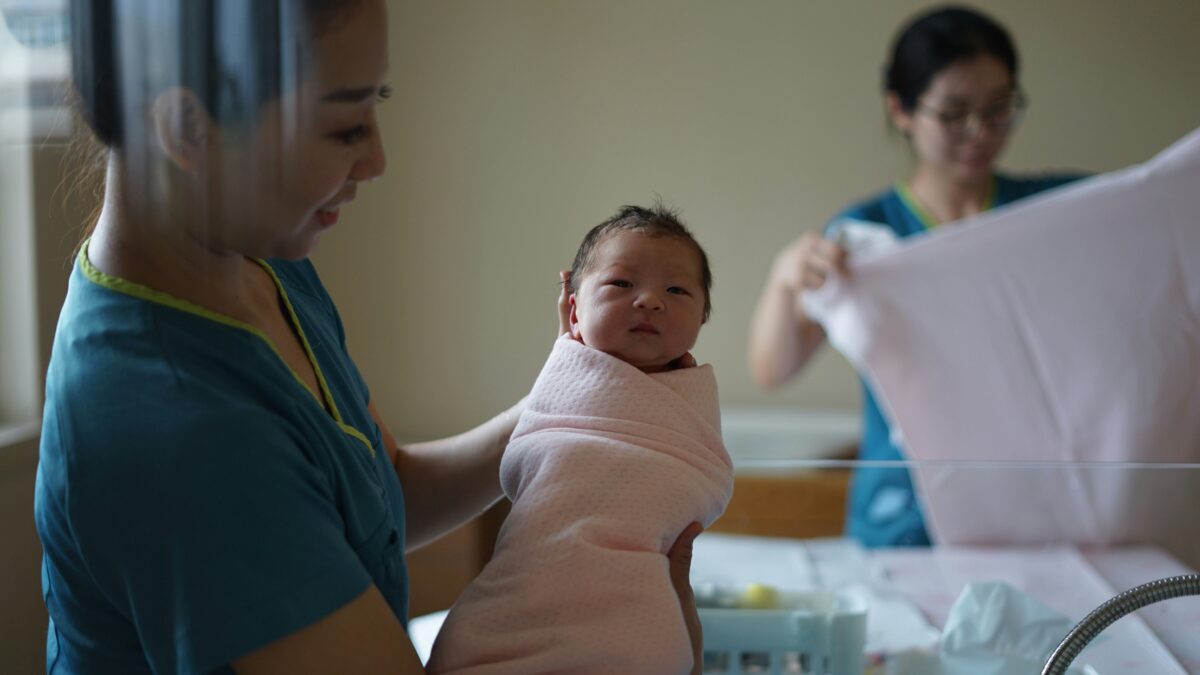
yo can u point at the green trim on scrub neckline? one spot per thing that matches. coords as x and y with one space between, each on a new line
119 285
924 217
295 319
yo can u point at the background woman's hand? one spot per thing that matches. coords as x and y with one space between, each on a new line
680 557
808 261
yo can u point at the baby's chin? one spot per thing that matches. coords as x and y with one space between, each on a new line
656 366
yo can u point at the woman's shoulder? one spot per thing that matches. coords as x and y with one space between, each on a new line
872 208
130 376
142 420
1010 187
884 208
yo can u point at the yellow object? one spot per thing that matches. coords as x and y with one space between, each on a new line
759 596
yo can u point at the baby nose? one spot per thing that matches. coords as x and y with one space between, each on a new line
648 300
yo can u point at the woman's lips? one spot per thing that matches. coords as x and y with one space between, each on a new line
327 218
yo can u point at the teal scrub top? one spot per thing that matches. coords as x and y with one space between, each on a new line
194 500
883 509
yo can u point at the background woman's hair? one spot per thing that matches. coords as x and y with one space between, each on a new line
937 39
234 54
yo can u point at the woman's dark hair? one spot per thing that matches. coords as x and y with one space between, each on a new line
657 221
940 38
232 53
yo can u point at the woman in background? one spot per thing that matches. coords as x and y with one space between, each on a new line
216 490
951 88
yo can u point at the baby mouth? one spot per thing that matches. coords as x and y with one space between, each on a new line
645 328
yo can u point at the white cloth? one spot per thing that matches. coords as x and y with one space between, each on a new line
605 469
1065 329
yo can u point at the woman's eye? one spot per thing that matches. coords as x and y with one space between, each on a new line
954 116
998 111
385 92
352 136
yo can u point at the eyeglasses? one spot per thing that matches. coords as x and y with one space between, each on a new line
1001 116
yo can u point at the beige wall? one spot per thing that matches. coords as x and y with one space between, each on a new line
517 125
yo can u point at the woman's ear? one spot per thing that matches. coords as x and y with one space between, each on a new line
182 127
901 119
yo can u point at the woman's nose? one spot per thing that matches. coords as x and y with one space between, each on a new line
372 164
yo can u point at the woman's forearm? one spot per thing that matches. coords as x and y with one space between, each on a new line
782 338
449 481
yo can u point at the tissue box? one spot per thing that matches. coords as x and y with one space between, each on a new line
809 632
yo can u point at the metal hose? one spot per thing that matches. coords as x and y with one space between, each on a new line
1104 615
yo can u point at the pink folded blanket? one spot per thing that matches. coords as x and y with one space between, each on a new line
606 468
1051 351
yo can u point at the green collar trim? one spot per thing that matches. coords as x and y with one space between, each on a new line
119 285
924 217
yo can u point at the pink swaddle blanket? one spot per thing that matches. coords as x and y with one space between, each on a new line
606 467
1063 331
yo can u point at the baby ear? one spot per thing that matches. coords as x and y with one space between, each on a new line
182 127
574 318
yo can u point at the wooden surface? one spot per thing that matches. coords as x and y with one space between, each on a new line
798 504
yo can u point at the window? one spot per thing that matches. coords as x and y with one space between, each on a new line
34 66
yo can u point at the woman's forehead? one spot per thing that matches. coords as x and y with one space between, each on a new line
982 77
347 62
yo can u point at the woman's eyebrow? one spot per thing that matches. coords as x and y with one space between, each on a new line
350 95
993 95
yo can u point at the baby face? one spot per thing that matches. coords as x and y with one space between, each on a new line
641 299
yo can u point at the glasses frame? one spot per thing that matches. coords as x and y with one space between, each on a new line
994 118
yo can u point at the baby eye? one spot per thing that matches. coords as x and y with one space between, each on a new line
620 283
677 290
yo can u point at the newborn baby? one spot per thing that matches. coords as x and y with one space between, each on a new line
617 452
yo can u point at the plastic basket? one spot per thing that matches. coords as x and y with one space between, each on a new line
812 633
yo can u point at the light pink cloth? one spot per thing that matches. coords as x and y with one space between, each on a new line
606 468
1063 329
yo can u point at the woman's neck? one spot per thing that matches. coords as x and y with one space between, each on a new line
152 242
947 200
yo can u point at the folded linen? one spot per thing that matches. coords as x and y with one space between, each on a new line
1057 340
